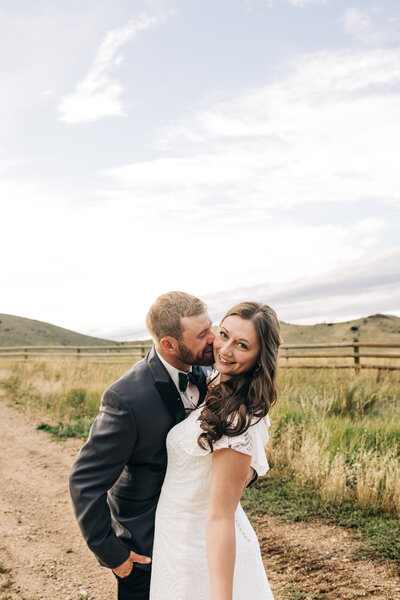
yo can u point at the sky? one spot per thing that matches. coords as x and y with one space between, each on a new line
233 149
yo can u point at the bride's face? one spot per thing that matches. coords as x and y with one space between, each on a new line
236 347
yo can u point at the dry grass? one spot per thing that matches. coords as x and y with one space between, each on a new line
339 432
335 431
369 477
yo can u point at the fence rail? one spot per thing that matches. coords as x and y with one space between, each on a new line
288 354
140 350
357 356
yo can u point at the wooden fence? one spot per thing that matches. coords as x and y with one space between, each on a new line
341 355
132 351
293 356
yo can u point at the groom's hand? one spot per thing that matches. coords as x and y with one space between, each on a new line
126 567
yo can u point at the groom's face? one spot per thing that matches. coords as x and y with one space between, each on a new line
196 344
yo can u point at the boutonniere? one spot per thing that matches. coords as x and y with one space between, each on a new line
212 377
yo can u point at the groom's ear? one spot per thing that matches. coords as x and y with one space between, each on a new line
169 344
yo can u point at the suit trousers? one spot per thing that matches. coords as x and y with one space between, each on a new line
134 587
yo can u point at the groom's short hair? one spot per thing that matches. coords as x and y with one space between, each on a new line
165 314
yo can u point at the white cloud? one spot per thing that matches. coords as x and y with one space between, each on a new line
253 4
302 3
370 26
7 165
34 43
360 24
98 95
323 132
354 289
100 265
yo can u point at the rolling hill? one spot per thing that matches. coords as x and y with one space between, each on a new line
19 331
375 328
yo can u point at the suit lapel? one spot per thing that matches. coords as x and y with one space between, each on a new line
172 399
166 387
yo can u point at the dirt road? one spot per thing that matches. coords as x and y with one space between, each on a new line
42 554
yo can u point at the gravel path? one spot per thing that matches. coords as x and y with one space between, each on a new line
42 554
40 541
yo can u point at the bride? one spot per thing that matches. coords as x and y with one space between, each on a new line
204 546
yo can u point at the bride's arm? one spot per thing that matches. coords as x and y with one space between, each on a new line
229 473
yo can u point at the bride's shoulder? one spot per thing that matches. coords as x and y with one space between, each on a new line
267 421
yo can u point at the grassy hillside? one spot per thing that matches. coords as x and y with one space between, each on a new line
18 331
375 328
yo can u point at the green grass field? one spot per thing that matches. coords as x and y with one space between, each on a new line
334 447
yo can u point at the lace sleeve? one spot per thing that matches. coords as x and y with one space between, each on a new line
251 442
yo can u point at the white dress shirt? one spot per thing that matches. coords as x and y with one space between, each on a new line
191 396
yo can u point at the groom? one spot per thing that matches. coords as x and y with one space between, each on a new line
117 476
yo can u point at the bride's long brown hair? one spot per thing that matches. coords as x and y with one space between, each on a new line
231 405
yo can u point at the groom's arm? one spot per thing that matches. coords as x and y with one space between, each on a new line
97 467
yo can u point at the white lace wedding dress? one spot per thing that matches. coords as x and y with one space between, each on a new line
179 569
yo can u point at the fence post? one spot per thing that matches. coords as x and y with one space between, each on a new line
356 352
26 353
142 352
78 353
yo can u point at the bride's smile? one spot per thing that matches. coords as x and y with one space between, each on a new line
236 347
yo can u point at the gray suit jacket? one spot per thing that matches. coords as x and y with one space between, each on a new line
117 476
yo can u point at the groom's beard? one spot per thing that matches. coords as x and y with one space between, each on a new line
206 358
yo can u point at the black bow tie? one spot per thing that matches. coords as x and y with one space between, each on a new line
193 376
